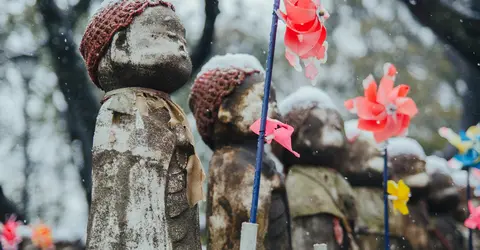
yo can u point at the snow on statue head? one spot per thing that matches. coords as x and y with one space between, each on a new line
435 164
226 98
136 43
407 160
319 134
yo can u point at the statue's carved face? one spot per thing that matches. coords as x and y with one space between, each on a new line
363 155
443 195
244 106
151 52
411 169
323 129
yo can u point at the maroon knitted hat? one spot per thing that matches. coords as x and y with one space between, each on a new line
103 26
208 92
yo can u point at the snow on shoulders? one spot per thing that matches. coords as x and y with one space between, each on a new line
437 164
229 60
405 145
304 97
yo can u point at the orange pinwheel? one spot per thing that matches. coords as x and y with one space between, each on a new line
385 111
305 35
42 237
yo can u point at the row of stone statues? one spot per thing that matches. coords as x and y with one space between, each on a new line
147 178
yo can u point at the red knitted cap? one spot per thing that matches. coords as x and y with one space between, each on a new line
103 26
208 92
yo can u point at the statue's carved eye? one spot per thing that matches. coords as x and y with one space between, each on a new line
121 39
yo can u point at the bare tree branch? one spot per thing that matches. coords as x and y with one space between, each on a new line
78 10
72 78
202 50
451 22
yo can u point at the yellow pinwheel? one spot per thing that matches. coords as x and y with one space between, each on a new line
399 194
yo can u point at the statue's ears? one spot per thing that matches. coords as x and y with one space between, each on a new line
224 115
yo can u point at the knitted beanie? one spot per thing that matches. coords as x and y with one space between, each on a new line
208 92
115 15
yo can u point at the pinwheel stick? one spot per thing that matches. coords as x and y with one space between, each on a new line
385 197
263 120
469 197
249 231
248 236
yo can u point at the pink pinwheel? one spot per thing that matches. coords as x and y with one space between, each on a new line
278 131
385 111
9 237
473 221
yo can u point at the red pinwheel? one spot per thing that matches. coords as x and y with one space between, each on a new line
278 131
305 35
385 111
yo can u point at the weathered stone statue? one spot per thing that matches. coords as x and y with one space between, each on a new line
226 99
461 213
364 171
443 200
321 201
407 160
147 179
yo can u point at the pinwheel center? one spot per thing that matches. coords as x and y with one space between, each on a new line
320 13
391 109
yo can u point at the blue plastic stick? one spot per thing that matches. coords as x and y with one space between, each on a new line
469 196
263 121
385 198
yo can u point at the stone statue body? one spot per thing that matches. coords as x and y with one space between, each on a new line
461 213
147 179
443 199
407 162
226 99
321 201
364 172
